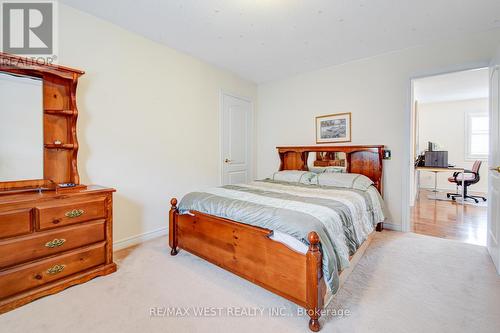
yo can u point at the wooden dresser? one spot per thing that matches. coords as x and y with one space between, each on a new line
51 241
54 231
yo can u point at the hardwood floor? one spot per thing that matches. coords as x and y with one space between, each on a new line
450 220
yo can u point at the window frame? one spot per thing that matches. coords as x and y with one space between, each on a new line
469 156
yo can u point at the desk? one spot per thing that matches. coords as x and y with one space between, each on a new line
436 170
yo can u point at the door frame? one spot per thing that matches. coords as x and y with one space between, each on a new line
492 250
251 164
407 149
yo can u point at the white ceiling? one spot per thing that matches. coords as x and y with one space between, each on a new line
263 40
453 87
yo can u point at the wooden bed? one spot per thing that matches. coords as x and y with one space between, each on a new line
248 251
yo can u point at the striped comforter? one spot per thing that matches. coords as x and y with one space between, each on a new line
343 218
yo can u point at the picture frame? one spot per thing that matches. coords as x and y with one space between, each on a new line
333 128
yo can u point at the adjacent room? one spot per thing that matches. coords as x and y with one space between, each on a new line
249 165
451 126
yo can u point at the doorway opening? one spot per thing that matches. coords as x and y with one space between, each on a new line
450 146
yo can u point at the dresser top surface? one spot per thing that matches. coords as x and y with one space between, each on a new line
34 195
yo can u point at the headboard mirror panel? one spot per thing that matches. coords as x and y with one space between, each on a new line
326 159
365 160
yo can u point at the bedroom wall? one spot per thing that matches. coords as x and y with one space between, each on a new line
444 123
148 123
376 90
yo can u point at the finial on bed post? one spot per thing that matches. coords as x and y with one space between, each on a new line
314 274
173 202
313 239
172 226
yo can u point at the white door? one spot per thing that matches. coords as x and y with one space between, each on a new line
236 140
494 171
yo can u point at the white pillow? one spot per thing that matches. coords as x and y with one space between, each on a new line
295 176
346 180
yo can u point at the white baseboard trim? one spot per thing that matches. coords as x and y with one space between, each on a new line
390 226
137 239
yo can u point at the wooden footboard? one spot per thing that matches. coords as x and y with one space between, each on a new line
248 251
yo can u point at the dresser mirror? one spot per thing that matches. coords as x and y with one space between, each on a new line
21 127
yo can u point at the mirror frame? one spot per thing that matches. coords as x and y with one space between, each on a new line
60 114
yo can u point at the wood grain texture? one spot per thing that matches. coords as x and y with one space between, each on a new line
29 276
54 214
25 259
34 246
15 222
314 275
248 251
449 219
50 288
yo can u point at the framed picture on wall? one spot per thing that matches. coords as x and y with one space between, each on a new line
333 128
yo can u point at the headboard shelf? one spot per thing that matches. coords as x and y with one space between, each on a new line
362 159
61 112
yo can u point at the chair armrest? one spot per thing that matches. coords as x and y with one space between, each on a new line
455 174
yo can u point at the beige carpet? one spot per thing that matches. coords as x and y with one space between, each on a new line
404 283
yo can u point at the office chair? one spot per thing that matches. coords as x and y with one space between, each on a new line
470 177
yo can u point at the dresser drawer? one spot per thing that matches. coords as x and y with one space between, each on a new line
42 244
59 214
13 223
32 275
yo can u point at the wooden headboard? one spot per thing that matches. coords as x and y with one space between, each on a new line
365 160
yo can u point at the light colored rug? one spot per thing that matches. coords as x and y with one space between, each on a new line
404 283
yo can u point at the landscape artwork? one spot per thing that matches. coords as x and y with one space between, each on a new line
333 128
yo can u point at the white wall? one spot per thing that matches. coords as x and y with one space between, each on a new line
375 90
148 122
444 124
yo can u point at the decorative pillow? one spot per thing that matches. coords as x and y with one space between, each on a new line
295 176
336 169
327 169
346 180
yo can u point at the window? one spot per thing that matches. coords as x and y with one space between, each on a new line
477 136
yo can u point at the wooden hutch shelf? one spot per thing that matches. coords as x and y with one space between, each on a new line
60 146
61 112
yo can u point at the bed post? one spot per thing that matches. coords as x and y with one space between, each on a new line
314 273
172 227
380 226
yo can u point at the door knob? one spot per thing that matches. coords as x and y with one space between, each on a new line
497 169
227 160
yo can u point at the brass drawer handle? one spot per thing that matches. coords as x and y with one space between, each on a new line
74 213
55 243
56 269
